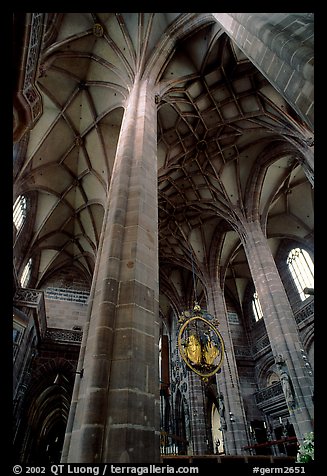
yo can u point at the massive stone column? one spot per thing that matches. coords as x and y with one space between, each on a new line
234 427
117 410
281 327
281 46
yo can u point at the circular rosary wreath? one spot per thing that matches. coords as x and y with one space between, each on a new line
201 346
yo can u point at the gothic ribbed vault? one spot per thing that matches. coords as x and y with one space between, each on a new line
228 146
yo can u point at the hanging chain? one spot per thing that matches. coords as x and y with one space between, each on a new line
193 275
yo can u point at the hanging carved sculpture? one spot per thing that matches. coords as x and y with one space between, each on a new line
193 350
200 343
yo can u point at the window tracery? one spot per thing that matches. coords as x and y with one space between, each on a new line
302 270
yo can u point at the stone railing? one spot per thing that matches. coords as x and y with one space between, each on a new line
64 294
268 393
304 313
64 336
261 345
271 399
242 352
30 297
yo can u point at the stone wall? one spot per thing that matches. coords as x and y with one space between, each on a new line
66 300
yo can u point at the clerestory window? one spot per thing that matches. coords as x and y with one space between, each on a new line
256 307
26 274
19 212
301 268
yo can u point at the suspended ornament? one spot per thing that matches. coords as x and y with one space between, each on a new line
200 344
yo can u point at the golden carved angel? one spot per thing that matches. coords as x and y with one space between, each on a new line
210 352
193 349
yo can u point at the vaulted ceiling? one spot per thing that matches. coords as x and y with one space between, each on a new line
220 122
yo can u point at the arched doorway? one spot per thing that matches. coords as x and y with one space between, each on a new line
42 427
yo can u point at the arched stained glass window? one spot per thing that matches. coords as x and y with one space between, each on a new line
256 306
19 212
301 268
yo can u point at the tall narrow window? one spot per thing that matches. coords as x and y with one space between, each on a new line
19 212
301 267
256 306
26 274
217 426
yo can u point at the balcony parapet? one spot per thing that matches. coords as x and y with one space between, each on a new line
270 399
261 346
243 352
305 313
268 392
64 336
34 299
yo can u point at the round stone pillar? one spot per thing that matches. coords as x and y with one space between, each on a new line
234 428
116 415
281 327
281 47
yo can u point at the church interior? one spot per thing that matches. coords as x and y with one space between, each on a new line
163 236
